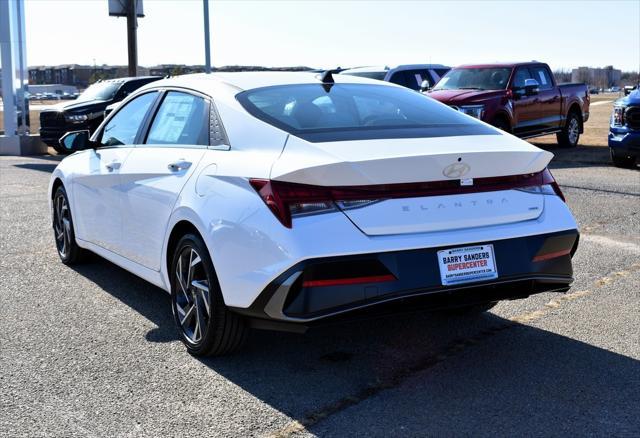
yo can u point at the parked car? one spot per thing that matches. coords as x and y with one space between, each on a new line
280 200
624 131
594 90
86 111
523 99
629 88
410 76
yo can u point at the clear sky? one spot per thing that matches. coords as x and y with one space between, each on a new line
332 33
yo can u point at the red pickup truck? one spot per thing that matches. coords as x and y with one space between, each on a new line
523 99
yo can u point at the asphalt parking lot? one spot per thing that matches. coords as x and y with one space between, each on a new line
91 350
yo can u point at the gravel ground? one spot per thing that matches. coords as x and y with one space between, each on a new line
91 350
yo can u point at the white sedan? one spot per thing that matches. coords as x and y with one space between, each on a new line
279 200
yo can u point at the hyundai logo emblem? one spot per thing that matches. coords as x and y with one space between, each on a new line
456 170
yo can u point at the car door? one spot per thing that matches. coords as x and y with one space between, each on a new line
156 171
550 104
96 182
525 108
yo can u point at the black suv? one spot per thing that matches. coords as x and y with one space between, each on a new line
87 111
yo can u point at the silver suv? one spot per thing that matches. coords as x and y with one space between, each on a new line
410 75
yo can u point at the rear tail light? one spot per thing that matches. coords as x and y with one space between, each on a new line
287 200
549 186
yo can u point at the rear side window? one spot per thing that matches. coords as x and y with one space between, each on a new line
412 78
182 118
541 74
125 124
355 112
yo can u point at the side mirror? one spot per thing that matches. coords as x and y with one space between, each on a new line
531 87
76 141
425 86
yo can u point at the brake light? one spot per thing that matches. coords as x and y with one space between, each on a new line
287 200
547 178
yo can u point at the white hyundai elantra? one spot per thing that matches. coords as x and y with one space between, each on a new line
278 200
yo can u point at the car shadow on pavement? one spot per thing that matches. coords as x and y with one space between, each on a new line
150 301
580 156
42 167
436 374
422 373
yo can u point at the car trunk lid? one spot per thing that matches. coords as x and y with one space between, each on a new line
420 185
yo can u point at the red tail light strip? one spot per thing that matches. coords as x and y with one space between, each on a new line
347 281
278 195
552 255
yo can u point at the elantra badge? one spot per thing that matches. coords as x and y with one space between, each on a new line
456 170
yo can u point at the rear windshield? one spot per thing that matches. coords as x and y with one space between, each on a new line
475 79
317 112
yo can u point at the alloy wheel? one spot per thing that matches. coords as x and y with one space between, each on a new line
192 300
574 130
62 225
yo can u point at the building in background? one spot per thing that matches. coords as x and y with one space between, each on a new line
80 76
605 77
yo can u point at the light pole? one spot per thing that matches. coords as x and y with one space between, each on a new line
132 38
207 44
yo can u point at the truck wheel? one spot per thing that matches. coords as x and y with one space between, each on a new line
570 134
622 160
502 124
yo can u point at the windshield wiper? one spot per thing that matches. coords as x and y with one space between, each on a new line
470 88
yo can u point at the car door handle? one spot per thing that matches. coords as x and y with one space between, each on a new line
114 165
179 165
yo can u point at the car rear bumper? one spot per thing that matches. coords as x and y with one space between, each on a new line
625 141
526 265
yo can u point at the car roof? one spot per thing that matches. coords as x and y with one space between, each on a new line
381 68
128 79
230 84
500 64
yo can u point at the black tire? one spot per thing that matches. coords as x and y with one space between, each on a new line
502 124
622 160
473 309
68 250
570 134
196 302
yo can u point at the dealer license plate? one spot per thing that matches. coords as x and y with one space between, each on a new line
466 265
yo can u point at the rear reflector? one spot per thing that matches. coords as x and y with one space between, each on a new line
348 281
551 255
284 198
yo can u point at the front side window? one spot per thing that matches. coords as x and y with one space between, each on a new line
181 119
491 78
355 112
123 127
522 73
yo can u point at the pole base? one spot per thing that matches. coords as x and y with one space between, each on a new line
22 145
